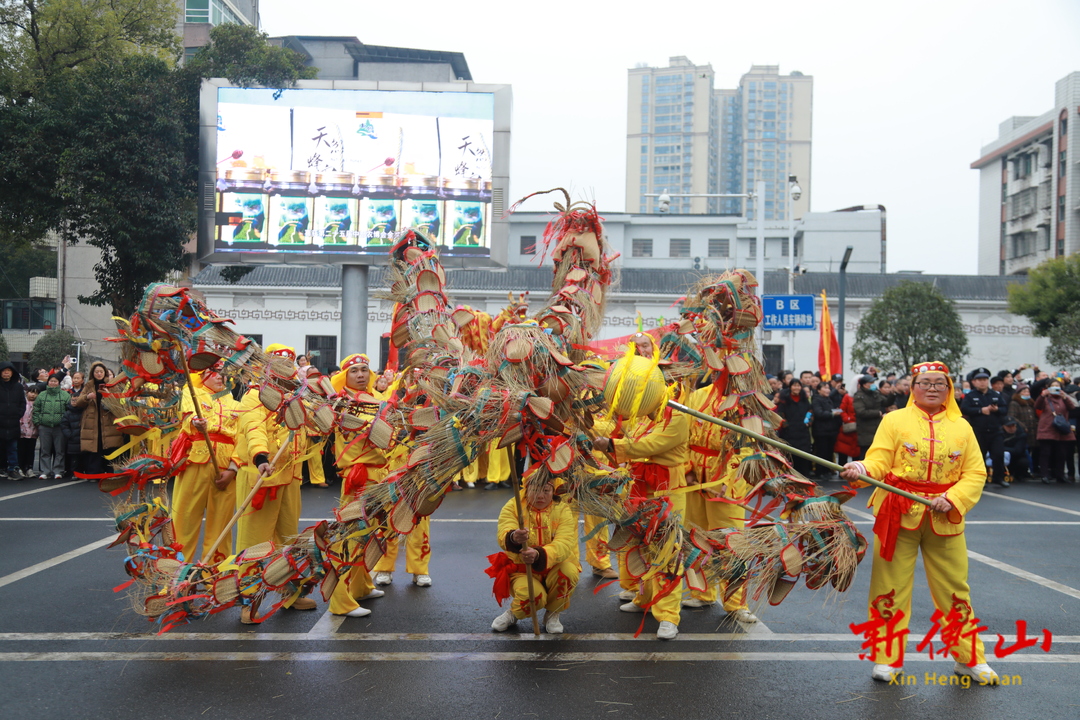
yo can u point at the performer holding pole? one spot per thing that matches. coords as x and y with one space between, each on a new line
929 449
538 566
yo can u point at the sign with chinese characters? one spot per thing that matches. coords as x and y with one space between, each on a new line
335 172
787 312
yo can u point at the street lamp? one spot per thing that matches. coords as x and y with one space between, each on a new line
796 193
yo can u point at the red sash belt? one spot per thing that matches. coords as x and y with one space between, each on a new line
704 451
894 507
649 478
264 494
357 478
501 568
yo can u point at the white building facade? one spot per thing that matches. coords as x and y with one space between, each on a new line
1029 198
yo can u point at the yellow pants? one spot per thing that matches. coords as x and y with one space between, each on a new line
316 475
553 590
343 600
277 521
417 550
668 608
596 553
714 516
194 493
946 562
498 466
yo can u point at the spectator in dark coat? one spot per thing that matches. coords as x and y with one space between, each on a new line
1053 444
1016 445
12 408
71 427
868 411
794 407
826 427
1022 409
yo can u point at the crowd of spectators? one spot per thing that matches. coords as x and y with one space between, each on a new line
1024 419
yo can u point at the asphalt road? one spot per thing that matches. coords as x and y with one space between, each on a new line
72 648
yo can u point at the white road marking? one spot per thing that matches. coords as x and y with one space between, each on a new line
44 489
326 626
1045 506
549 657
859 513
51 562
1019 572
464 637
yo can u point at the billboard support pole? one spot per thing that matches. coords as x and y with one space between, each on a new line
354 310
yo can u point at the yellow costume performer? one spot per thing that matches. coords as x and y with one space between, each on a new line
928 449
195 492
657 454
552 553
274 514
359 462
707 466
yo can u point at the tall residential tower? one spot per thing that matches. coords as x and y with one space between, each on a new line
761 130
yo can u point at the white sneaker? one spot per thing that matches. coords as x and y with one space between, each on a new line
744 616
886 673
57 476
693 602
470 485
384 578
667 631
981 672
422 580
504 621
358 612
376 593
43 477
631 608
627 595
552 624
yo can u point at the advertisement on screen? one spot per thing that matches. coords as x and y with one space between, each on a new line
342 172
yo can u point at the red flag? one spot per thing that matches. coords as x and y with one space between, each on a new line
828 355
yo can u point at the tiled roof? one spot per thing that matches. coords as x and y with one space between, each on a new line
633 281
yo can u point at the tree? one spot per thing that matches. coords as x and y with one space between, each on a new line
22 261
51 349
109 155
1051 293
910 323
4 355
1064 349
43 38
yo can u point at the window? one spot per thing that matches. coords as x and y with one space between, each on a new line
679 247
641 248
1064 126
256 338
719 248
1027 164
322 351
528 245
1061 208
752 252
784 244
1061 164
1044 232
28 314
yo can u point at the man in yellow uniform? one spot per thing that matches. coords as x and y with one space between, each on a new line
548 544
707 466
274 514
195 491
359 463
656 448
928 449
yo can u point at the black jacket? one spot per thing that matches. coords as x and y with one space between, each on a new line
1016 442
825 423
795 431
12 403
71 427
972 407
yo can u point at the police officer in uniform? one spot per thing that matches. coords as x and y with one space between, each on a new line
986 410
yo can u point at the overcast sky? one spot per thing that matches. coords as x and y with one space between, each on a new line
905 94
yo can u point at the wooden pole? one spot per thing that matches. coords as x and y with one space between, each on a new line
198 410
794 451
247 501
525 545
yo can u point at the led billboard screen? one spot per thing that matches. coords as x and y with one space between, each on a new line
334 175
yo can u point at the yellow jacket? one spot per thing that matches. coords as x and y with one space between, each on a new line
353 447
221 418
913 446
707 436
259 432
554 529
664 442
